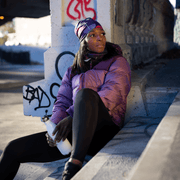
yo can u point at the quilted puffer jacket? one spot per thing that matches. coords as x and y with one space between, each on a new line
111 79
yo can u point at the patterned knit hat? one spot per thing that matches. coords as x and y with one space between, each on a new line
84 27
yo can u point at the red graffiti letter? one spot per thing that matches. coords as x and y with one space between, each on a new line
83 5
89 9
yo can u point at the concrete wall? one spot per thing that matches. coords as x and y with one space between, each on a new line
177 4
177 27
142 28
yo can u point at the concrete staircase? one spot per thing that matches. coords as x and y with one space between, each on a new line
146 107
120 155
160 159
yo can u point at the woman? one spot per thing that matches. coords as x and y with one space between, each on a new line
89 110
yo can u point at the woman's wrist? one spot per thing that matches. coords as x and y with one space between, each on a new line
69 117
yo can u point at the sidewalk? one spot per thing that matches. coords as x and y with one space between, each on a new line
12 76
13 123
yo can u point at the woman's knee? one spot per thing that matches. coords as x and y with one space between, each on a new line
87 94
13 148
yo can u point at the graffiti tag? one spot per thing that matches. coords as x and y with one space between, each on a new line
51 90
37 93
57 61
80 8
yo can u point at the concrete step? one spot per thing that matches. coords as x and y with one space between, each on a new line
161 158
119 156
57 173
27 169
46 171
158 100
40 171
160 94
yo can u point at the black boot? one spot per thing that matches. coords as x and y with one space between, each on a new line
70 170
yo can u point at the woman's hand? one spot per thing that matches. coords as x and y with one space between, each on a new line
63 128
50 140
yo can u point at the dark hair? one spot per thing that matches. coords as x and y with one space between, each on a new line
78 63
80 66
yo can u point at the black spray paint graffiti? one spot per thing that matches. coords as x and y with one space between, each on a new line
51 90
36 93
39 94
57 61
57 71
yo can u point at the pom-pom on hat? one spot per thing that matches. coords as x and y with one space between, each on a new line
83 27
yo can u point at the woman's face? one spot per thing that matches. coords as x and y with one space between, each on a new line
96 40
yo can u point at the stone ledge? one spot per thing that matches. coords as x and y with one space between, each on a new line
135 100
139 78
161 158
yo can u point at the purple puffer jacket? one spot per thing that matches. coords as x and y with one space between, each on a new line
111 79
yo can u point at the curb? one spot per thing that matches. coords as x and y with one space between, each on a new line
23 73
12 84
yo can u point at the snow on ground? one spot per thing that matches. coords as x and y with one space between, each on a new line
36 53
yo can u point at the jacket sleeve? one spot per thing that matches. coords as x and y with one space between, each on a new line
116 86
64 99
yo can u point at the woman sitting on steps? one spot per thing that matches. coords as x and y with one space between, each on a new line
90 106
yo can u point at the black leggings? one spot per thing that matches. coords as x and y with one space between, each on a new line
92 129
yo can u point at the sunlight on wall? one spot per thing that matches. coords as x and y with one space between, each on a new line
173 2
31 31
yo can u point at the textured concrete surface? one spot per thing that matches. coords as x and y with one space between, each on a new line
167 76
13 122
160 160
